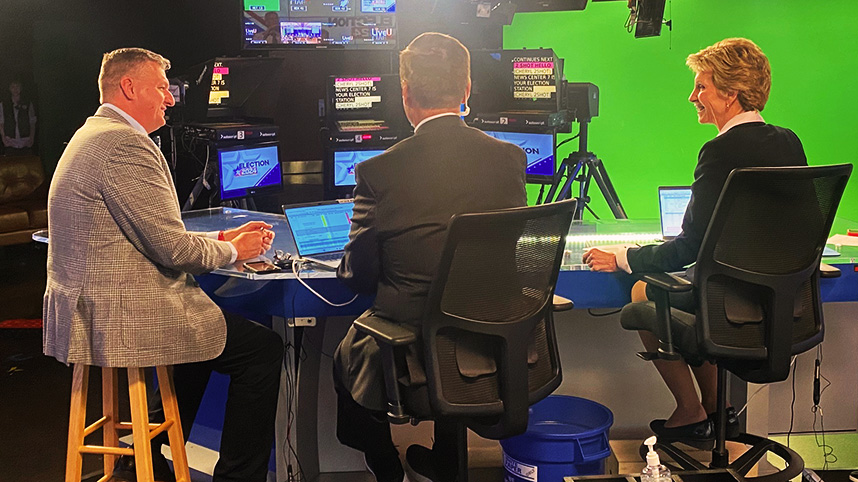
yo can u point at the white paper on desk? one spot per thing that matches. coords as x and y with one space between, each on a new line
843 240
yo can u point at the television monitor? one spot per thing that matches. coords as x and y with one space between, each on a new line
650 16
533 76
234 87
548 5
345 162
539 148
349 24
339 169
248 169
361 103
515 81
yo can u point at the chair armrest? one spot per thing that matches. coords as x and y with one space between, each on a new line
828 271
386 331
666 282
389 335
562 304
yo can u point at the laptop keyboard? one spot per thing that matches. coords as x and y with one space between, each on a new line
329 256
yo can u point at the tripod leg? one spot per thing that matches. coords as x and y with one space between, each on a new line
195 192
584 187
202 182
607 188
567 186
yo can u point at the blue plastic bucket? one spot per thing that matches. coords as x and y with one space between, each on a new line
565 436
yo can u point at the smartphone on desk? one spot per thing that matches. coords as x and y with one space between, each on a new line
261 267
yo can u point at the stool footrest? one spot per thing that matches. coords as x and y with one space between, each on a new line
127 426
160 428
95 426
100 449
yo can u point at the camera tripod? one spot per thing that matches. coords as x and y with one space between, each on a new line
583 166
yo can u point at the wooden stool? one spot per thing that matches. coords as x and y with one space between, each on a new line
141 429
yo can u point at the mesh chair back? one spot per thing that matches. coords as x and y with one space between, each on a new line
489 345
757 269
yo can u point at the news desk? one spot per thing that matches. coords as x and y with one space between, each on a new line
305 419
282 295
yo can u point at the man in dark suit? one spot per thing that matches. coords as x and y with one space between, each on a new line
404 199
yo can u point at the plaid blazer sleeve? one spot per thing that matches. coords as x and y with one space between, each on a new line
139 194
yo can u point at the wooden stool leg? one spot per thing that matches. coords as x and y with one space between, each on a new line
171 412
77 421
110 410
140 424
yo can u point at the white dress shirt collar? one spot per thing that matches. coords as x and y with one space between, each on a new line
433 117
127 117
743 118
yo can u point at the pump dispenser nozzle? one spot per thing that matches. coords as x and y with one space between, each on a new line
652 459
654 470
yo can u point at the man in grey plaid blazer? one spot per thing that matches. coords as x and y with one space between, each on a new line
120 289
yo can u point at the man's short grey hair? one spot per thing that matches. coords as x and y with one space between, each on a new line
120 62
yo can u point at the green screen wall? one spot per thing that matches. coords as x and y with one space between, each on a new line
647 132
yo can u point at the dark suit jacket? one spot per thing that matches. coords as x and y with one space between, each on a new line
404 199
753 144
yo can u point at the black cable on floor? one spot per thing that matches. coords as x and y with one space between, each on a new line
607 313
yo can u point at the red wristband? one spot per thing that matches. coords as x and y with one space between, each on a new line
220 236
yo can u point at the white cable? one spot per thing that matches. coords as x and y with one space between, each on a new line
791 363
298 276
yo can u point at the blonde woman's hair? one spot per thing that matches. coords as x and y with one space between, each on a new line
739 66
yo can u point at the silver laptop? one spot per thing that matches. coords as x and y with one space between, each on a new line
320 230
672 201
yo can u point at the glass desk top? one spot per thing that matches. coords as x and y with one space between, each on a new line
582 236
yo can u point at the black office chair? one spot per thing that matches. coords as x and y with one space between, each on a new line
757 289
488 343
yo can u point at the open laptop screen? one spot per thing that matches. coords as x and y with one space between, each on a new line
320 228
672 202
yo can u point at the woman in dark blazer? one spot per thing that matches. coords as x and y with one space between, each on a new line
731 86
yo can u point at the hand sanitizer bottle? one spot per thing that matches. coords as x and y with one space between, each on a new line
654 471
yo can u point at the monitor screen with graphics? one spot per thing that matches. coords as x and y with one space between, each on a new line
350 24
246 170
361 103
539 148
345 162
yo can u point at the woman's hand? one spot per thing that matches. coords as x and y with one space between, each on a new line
599 260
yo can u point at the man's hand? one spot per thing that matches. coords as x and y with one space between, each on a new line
250 239
599 260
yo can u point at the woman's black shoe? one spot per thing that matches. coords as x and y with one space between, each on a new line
693 431
732 423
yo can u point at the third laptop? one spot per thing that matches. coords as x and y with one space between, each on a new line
672 201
